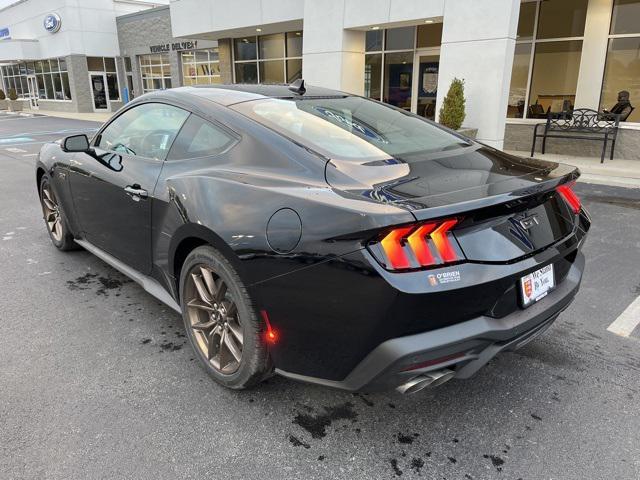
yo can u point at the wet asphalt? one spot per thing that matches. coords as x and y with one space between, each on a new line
97 380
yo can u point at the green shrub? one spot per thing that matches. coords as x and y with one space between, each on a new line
12 94
452 112
2 95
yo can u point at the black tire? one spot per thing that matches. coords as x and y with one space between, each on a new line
254 364
62 239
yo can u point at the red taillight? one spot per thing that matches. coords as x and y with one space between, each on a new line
392 246
421 245
570 197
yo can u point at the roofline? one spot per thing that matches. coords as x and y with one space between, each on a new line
142 13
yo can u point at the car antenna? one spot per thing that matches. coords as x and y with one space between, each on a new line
298 87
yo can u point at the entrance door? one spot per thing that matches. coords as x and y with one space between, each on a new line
99 91
425 83
33 92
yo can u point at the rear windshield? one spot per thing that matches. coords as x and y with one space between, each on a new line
351 128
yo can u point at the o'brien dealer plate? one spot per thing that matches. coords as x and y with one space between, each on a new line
537 285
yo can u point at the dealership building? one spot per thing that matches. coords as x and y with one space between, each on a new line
519 59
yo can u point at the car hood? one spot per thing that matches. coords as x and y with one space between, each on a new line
443 182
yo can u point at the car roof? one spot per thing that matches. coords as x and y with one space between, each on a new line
229 94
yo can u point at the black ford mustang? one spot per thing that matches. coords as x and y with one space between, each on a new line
324 236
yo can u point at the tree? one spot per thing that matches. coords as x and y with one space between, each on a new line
2 95
452 112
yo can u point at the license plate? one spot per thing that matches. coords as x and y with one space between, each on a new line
537 285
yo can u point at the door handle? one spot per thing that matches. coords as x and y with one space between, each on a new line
136 192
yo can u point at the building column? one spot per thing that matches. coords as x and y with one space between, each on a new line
594 54
332 56
478 44
79 83
224 56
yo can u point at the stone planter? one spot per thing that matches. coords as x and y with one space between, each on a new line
4 104
15 105
468 132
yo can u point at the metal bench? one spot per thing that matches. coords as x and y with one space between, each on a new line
579 124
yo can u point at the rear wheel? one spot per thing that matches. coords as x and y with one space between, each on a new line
221 321
54 218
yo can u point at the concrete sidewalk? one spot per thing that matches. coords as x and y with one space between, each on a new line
92 117
619 173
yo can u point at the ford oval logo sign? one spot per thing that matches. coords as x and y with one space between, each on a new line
52 22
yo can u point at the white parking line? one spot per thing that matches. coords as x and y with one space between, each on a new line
15 150
627 321
52 132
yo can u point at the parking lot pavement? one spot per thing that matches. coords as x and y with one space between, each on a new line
21 137
97 381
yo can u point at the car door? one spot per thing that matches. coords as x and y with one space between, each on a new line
112 186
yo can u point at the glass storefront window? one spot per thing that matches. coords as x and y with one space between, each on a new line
626 17
622 73
294 69
389 75
271 46
201 67
155 71
429 35
562 18
373 40
109 64
106 65
373 75
294 44
555 77
245 48
398 73
554 47
247 72
519 79
272 71
51 79
527 20
264 59
402 38
48 84
95 64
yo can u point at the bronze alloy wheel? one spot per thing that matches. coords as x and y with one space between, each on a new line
214 319
51 212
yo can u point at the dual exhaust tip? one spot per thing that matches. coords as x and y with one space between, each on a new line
429 379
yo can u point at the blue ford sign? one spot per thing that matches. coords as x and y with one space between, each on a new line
52 22
5 33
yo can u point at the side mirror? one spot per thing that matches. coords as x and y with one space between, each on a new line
76 143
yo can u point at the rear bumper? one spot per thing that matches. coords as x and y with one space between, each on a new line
463 347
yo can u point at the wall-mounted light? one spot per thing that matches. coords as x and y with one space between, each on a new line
375 28
428 21
258 29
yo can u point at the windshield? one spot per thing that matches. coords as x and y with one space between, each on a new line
351 128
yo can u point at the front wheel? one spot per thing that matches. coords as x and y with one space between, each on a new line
221 320
59 233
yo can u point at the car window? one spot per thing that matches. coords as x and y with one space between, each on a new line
147 130
199 138
351 128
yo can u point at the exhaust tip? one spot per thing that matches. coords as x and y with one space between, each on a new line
430 379
441 376
415 385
